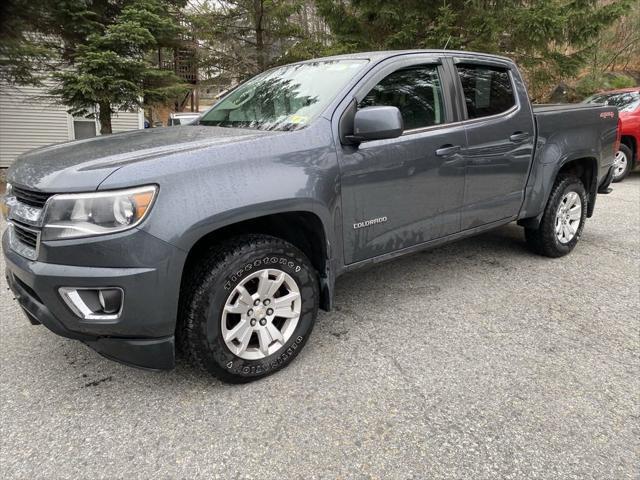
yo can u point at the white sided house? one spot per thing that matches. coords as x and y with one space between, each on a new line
30 118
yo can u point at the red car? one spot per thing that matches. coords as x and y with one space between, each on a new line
628 102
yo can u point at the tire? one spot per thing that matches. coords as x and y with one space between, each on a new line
624 159
210 301
545 239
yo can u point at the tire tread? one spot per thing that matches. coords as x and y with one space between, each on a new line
542 240
195 295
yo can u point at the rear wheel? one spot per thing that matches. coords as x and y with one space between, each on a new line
249 308
622 163
563 219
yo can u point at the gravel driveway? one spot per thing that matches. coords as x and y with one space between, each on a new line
474 360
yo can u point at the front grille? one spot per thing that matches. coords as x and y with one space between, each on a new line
31 197
25 236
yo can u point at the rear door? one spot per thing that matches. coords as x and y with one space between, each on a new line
400 192
500 134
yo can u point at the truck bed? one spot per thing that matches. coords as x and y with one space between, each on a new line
576 119
571 131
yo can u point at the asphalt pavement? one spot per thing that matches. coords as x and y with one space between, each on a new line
475 360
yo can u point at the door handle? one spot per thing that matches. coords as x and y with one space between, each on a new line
519 137
447 150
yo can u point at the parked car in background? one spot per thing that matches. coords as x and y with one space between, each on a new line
628 103
185 118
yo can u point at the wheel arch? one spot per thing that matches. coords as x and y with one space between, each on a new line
631 142
302 228
584 167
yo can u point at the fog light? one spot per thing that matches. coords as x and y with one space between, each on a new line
94 303
110 300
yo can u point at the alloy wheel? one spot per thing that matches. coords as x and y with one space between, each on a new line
568 217
619 164
261 314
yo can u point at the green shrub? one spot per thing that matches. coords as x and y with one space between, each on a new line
594 83
622 81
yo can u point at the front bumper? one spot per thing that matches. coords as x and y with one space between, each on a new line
143 335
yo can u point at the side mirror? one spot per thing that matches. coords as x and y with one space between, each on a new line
376 123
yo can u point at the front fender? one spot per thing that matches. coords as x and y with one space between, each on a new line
217 221
204 190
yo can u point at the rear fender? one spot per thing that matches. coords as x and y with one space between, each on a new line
542 180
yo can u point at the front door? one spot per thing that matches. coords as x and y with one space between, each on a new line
405 191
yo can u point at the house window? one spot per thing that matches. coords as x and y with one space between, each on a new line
84 128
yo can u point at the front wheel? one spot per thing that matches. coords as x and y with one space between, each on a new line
249 308
622 163
563 219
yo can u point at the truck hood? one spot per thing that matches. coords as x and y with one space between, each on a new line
83 165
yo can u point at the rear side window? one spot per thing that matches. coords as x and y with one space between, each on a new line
415 91
487 90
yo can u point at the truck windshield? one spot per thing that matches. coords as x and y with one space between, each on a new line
285 98
625 101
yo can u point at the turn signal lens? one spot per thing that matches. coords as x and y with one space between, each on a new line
142 201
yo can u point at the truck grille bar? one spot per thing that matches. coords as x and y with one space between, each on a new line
31 197
26 236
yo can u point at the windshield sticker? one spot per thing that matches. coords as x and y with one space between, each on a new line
298 119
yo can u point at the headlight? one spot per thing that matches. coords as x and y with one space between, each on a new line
100 213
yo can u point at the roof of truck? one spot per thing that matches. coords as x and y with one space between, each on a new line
380 55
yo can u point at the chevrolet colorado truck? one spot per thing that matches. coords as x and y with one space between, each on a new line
223 238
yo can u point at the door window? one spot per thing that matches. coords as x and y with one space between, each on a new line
415 91
487 90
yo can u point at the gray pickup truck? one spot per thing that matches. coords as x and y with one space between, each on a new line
222 239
